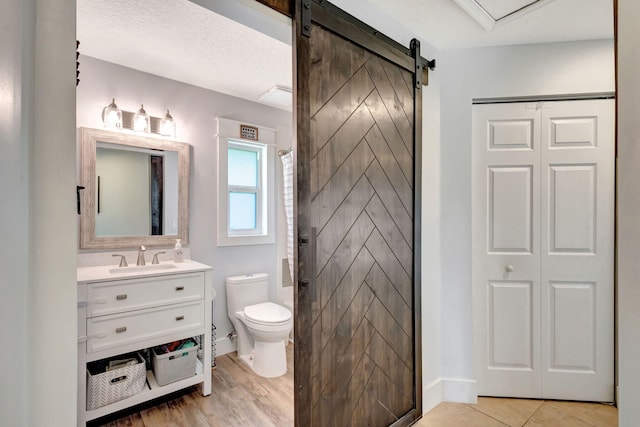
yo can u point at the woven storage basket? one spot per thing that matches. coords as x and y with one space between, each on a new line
107 387
174 366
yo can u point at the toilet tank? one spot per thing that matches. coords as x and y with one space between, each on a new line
247 289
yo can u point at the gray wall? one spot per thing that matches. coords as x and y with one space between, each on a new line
194 110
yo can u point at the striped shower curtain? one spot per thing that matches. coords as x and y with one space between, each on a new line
287 182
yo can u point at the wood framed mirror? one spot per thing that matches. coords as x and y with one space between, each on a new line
136 190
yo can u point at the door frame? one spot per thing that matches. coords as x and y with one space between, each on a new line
337 21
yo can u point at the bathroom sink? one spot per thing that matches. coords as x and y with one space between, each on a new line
141 268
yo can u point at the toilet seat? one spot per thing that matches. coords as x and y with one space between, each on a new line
267 313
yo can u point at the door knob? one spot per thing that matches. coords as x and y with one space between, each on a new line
509 268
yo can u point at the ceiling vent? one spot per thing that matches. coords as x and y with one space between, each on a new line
492 13
279 97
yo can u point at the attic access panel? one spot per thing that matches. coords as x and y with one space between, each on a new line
491 13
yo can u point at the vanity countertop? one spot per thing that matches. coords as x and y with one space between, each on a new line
113 272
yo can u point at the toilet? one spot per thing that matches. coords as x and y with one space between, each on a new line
262 327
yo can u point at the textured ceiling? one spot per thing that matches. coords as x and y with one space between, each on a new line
181 40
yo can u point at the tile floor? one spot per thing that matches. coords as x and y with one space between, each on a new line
497 412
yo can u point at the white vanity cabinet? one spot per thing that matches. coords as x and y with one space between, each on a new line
131 309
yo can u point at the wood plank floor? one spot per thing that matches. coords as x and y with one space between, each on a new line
239 398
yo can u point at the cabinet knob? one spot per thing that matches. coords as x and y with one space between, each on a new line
509 268
121 329
121 297
178 318
179 288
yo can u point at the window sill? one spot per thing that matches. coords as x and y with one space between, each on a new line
245 240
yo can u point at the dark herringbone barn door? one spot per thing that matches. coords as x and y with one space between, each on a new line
360 177
361 186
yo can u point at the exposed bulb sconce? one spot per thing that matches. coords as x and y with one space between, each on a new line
112 116
141 121
167 125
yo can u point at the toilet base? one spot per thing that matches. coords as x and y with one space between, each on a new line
269 359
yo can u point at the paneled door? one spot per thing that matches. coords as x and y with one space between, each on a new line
357 315
543 240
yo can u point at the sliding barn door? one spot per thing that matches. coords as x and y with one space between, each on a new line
357 323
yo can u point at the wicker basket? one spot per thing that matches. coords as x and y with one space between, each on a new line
105 387
174 366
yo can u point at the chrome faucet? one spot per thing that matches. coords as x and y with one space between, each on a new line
123 260
141 250
155 257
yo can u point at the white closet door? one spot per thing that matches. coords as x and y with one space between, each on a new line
506 271
577 226
543 218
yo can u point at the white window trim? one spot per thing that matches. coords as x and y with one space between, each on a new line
228 135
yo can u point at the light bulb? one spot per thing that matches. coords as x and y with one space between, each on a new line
141 120
112 116
167 125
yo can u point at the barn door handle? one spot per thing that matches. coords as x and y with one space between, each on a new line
310 283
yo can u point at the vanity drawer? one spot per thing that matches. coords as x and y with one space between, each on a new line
106 298
106 332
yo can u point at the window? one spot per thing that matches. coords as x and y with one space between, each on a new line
245 186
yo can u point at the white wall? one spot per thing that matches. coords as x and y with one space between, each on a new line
628 200
17 21
37 183
53 337
465 74
431 274
194 110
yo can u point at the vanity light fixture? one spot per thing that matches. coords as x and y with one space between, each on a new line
112 116
168 126
141 122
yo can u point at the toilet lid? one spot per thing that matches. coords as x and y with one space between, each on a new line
267 312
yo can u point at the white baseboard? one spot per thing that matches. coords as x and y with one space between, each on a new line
224 346
461 390
432 395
